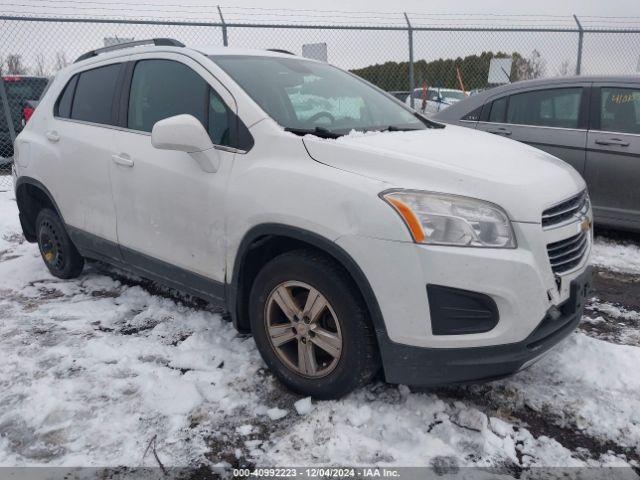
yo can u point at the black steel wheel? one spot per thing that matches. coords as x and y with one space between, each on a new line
58 252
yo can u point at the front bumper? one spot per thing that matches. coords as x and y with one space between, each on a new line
419 366
520 281
537 308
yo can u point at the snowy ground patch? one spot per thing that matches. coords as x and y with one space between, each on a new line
611 322
92 370
618 256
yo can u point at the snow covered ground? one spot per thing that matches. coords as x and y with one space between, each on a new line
618 256
93 370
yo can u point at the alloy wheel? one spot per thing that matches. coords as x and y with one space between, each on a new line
303 329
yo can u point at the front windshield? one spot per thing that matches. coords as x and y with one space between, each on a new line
305 96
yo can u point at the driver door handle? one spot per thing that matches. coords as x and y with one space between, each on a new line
613 141
122 159
501 131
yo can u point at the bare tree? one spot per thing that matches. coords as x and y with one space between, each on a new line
60 61
532 67
1 65
15 65
40 69
565 68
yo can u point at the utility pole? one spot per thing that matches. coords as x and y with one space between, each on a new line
580 41
225 39
411 74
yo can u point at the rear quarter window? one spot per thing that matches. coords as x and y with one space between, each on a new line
473 116
63 105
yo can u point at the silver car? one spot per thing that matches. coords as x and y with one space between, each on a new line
592 123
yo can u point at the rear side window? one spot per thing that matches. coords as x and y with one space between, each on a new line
548 108
94 96
163 88
63 108
620 110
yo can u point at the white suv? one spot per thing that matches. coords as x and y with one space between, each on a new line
346 232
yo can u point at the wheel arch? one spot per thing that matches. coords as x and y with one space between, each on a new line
263 242
31 197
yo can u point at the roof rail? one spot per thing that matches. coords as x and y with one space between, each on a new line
279 50
164 42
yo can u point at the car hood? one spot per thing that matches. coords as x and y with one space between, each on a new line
521 179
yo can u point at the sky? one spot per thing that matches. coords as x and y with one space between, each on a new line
626 9
556 7
603 53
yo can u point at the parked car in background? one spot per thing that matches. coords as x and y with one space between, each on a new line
592 123
438 99
476 91
22 95
400 94
439 254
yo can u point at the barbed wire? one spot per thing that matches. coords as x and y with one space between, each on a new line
264 9
304 17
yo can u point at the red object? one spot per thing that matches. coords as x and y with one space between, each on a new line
11 78
424 96
460 81
26 113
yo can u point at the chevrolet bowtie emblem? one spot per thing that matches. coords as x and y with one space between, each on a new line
585 225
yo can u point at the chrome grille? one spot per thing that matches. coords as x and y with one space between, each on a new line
566 211
567 254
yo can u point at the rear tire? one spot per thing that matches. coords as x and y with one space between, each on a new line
58 252
311 327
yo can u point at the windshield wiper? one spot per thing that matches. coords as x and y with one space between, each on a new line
317 131
395 128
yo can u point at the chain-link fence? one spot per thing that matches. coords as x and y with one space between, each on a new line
444 57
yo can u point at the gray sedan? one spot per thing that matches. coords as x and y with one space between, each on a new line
592 123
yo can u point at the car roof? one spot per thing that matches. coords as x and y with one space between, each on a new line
460 109
567 79
204 50
249 52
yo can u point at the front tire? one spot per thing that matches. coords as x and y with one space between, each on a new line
58 252
311 326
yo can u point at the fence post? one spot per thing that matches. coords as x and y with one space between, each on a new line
7 110
580 40
411 79
225 39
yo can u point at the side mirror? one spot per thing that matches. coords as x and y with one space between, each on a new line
183 133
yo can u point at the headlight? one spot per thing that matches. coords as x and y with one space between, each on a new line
441 219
